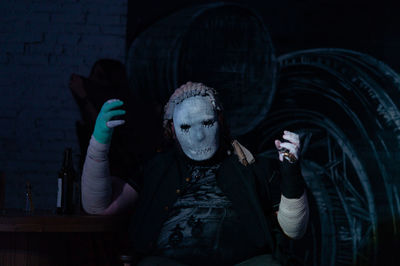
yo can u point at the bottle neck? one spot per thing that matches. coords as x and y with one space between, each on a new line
67 161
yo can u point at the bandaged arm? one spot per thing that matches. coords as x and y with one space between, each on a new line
101 193
293 211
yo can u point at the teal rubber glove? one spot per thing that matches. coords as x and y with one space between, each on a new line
104 128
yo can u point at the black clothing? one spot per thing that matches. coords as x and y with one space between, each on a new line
193 230
253 190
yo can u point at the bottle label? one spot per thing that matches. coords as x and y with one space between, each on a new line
59 193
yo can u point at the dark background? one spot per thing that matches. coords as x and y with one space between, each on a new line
366 26
43 42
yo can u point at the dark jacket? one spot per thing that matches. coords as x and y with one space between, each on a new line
248 187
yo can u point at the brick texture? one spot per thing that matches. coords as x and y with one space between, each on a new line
41 43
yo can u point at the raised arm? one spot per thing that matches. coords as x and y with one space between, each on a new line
293 211
101 193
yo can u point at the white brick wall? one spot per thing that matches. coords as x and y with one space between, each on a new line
41 43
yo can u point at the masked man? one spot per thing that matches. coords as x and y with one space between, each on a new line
207 200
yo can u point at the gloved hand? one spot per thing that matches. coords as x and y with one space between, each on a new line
104 126
288 150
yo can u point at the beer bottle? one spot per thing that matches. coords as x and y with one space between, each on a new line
66 177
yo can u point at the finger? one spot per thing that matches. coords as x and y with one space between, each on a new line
110 114
281 156
115 123
290 146
111 104
278 144
292 135
293 139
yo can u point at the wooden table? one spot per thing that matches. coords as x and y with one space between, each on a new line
48 239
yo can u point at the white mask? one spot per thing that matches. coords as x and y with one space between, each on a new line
196 127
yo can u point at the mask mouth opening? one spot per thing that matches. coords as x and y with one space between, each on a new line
202 151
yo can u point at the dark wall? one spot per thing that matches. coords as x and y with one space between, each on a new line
369 27
41 44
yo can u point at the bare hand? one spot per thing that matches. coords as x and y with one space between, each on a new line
289 149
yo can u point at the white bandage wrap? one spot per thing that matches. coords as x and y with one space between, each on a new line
293 216
96 180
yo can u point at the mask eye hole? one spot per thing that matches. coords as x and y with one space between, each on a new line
208 123
185 127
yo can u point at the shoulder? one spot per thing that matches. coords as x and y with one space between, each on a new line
263 161
150 169
161 157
